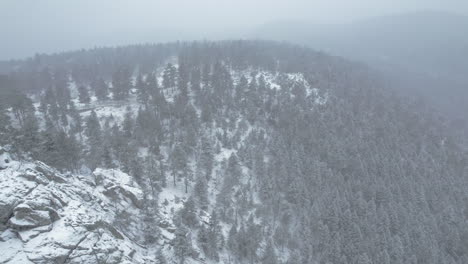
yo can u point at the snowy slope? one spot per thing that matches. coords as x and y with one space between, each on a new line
48 217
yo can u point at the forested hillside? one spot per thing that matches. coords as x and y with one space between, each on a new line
423 52
226 152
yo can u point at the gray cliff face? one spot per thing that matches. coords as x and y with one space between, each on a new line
48 217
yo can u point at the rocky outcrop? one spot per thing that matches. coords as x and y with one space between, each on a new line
24 217
49 217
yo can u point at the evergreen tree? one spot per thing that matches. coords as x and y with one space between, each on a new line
169 76
142 90
84 95
182 244
121 83
49 146
232 242
182 81
101 89
93 128
188 213
201 191
203 240
150 211
206 158
241 88
136 169
21 106
128 123
206 72
107 157
152 85
76 126
195 79
162 171
215 237
269 256
29 134
5 124
178 163
93 132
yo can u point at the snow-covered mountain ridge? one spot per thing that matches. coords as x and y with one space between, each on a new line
230 152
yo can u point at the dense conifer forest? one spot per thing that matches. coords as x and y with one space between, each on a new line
244 152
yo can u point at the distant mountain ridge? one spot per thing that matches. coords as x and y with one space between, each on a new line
425 52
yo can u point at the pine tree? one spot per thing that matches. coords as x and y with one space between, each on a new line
201 191
64 119
269 256
93 128
93 132
128 123
241 88
21 106
233 172
136 169
107 157
83 95
215 237
62 91
169 76
5 124
152 84
182 244
29 133
150 212
121 83
76 126
252 239
232 242
206 72
162 171
49 146
101 89
203 240
69 150
182 81
206 158
295 257
178 162
195 79
142 90
206 110
188 213
364 259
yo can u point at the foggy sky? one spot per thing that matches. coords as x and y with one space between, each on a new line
37 26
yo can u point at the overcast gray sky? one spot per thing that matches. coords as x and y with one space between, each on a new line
30 26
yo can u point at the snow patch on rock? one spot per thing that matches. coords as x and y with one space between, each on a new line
47 217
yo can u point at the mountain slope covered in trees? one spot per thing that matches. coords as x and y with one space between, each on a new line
422 52
242 152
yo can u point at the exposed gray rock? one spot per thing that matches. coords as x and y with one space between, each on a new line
49 172
105 225
24 217
47 217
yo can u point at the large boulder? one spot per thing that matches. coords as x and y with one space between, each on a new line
24 217
4 159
